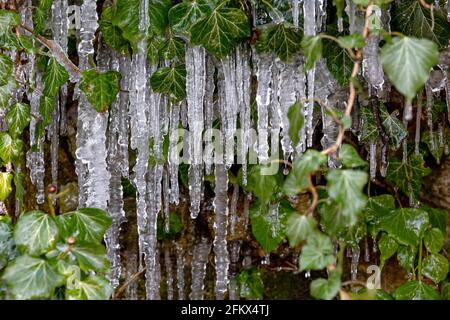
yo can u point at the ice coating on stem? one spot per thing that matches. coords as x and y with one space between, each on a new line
195 89
310 29
372 69
220 231
199 262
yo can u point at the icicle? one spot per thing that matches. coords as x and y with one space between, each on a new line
310 29
366 251
180 272
274 218
418 120
195 80
430 101
123 123
233 208
91 140
384 159
266 260
166 201
447 90
209 109
234 261
169 272
295 13
220 231
373 160
372 69
199 262
173 153
263 93
374 241
355 261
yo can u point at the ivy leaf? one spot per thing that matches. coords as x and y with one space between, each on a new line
46 108
100 89
345 187
94 287
378 207
85 224
172 47
261 185
416 290
281 39
154 48
407 62
405 174
8 20
438 218
296 121
299 228
438 148
412 19
90 256
36 232
6 92
350 157
393 127
170 80
352 41
317 253
369 129
6 69
54 77
183 15
338 60
5 185
31 278
7 246
388 247
406 225
435 267
18 117
312 47
406 255
434 240
125 16
10 148
250 283
326 289
220 31
112 34
297 180
41 15
158 12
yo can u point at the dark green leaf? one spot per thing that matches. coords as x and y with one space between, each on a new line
250 283
350 157
90 256
436 149
86 224
434 240
393 127
172 47
296 121
407 62
125 16
435 267
92 288
312 47
112 34
18 117
338 60
8 20
170 80
369 129
41 15
6 68
352 41
317 253
406 255
183 15
416 290
406 225
158 11
46 108
54 77
438 218
281 39
263 186
388 247
7 246
326 289
6 92
299 228
100 89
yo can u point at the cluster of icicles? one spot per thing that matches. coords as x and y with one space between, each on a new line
139 115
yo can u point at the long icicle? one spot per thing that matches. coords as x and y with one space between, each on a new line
199 262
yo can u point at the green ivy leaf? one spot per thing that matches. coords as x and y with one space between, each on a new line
7 246
299 228
170 80
6 92
36 232
92 288
312 47
297 180
352 41
158 11
112 34
378 207
85 224
8 20
18 117
10 148
90 256
6 69
30 278
416 290
172 47
393 127
338 60
435 267
326 289
296 121
405 174
100 89
388 247
46 108
345 187
264 187
183 15
19 178
41 15
250 283
5 185
438 218
438 149
369 129
54 77
434 240
406 225
220 31
317 253
407 62
411 18
406 255
125 16
350 157
281 39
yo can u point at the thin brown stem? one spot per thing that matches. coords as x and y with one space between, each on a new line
132 279
315 196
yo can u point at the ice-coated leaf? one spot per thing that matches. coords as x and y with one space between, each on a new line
35 232
90 256
18 117
5 185
31 278
406 256
112 34
435 267
183 15
416 290
100 89
434 240
297 180
46 107
6 69
299 228
92 288
251 285
54 77
407 62
172 47
219 31
317 253
262 186
393 127
296 121
388 247
378 207
350 157
6 92
312 48
170 80
326 289
281 39
8 20
10 148
406 225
